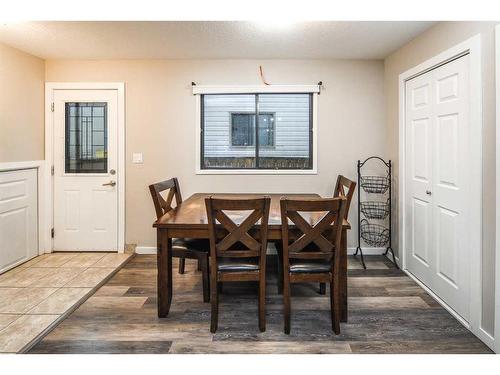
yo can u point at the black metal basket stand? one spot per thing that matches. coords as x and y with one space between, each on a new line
375 227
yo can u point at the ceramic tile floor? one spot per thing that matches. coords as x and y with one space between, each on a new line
35 294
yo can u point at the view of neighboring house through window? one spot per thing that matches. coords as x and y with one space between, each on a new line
281 124
243 129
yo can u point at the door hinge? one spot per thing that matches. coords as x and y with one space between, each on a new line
52 170
52 233
52 107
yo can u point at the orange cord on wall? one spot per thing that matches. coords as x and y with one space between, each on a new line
262 76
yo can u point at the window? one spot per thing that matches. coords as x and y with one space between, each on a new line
256 131
86 138
243 129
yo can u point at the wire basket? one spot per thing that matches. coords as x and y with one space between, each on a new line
375 210
374 234
375 184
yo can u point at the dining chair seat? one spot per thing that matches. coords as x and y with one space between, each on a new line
310 267
238 265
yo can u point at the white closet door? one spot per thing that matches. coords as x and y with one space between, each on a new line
18 217
451 187
419 112
438 182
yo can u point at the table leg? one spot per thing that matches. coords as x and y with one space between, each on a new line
164 264
343 278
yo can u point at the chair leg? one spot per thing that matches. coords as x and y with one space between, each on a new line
262 303
322 288
214 300
279 250
182 264
286 303
335 307
205 275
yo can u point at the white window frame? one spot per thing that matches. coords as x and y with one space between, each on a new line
274 89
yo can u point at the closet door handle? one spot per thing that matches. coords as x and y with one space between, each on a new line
428 192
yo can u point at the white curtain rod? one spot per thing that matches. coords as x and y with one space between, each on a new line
252 89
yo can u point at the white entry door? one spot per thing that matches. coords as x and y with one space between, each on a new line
85 170
438 179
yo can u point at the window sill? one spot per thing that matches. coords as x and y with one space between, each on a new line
256 171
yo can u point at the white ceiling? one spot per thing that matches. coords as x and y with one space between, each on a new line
210 40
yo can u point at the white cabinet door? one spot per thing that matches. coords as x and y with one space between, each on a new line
438 177
18 217
85 170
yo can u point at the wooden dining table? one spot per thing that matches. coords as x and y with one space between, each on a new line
189 220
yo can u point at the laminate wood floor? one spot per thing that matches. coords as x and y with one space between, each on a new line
388 313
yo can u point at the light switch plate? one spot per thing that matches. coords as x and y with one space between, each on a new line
137 158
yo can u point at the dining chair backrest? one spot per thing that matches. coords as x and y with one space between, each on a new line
240 238
164 205
345 188
317 237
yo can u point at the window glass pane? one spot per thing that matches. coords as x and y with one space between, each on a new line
283 131
98 138
228 139
289 134
86 138
243 129
266 129
98 122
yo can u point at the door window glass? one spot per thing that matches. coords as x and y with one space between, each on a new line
86 149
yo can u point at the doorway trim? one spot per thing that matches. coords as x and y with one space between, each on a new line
472 47
50 87
497 237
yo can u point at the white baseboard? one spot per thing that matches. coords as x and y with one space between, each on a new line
486 338
350 250
145 250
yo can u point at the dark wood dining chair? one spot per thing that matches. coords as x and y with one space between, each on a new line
237 250
343 188
182 248
309 249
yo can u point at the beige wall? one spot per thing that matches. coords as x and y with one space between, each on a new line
435 40
161 123
22 79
